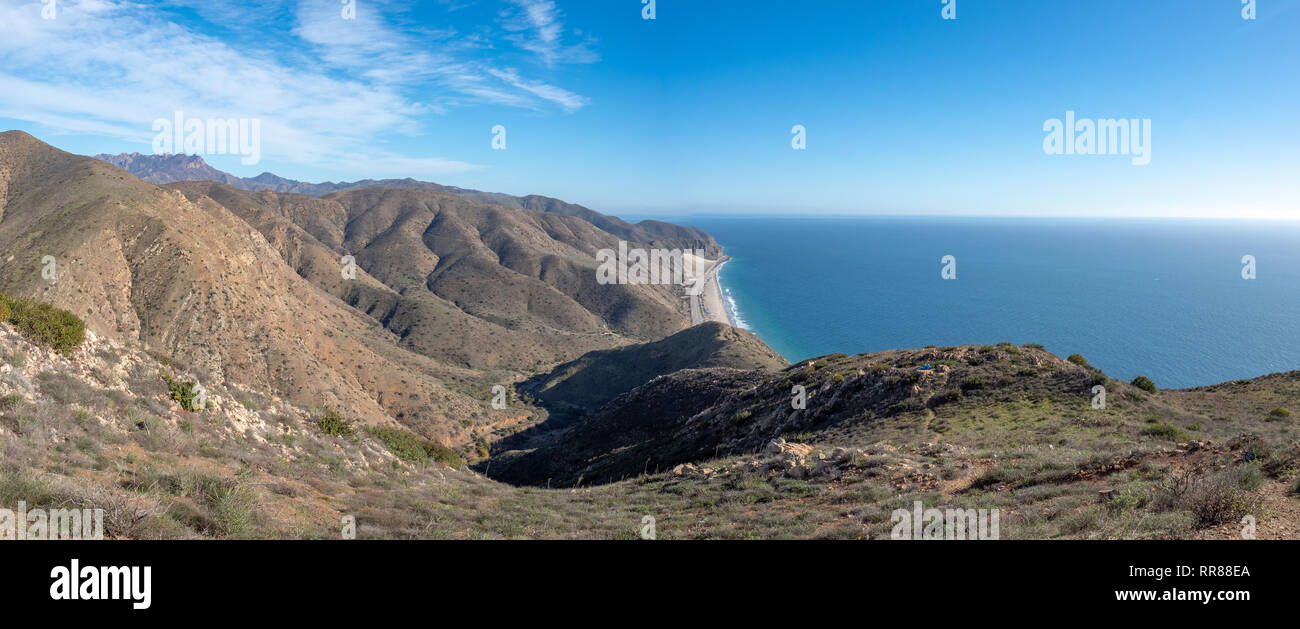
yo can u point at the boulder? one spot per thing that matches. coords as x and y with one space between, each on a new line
780 447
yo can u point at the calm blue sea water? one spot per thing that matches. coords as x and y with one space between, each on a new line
1164 299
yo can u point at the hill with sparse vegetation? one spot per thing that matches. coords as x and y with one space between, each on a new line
193 362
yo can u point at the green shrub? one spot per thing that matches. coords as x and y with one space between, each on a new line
333 424
1247 476
186 393
443 454
744 415
972 383
1144 383
1163 430
1078 359
44 324
1279 413
411 447
1132 497
233 505
406 445
1033 345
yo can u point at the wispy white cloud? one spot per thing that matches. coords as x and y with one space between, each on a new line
562 97
325 88
538 26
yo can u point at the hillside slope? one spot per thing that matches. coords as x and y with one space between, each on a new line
98 427
472 285
972 396
589 382
194 282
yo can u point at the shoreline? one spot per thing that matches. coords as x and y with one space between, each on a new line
712 301
728 304
708 305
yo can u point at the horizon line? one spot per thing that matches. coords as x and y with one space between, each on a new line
835 215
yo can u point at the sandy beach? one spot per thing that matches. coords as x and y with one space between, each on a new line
709 305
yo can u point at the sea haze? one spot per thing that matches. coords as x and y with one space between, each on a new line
1160 298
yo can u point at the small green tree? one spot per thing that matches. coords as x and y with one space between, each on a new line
1144 383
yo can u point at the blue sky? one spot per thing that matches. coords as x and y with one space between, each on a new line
906 112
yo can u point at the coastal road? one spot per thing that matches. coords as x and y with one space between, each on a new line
710 295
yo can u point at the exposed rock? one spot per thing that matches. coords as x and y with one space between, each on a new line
781 447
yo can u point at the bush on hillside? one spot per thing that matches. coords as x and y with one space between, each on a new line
188 394
1078 359
1212 499
1144 383
333 424
44 324
1164 431
409 446
1219 500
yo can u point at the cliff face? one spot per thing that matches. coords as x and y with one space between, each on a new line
168 168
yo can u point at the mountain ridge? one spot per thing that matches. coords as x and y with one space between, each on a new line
174 168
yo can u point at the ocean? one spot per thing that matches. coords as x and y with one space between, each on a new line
1160 298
